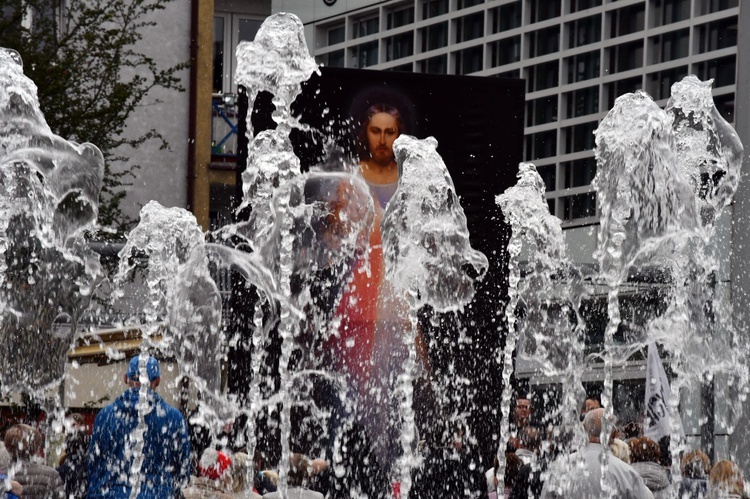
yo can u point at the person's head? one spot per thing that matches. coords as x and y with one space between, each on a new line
133 375
522 412
240 462
644 450
381 127
726 477
695 464
592 423
300 470
620 450
633 430
76 421
215 465
589 404
23 441
513 465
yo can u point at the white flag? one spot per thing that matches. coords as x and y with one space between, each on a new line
656 424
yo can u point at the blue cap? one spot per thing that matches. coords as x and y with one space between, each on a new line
152 368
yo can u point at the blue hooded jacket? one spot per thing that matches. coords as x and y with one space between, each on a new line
166 449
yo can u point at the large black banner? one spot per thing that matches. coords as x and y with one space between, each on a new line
478 123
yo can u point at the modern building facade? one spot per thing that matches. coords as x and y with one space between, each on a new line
577 57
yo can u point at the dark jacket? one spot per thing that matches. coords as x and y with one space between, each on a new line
166 449
73 469
693 488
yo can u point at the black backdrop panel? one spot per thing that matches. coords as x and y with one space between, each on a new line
478 123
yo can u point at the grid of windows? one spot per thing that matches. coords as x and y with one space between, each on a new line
577 57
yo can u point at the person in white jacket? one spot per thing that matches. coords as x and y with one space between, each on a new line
580 474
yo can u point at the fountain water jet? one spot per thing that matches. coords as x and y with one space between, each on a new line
663 178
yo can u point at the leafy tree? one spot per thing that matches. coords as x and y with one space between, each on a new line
90 75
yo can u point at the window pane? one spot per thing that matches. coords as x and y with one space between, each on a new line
582 102
335 59
670 11
365 55
469 60
218 79
366 27
506 51
434 8
622 87
506 17
547 173
435 37
544 41
584 31
462 4
543 76
725 105
578 5
579 173
627 20
626 57
583 66
470 27
709 6
721 70
513 73
336 35
579 138
435 65
400 17
718 35
541 111
543 145
248 29
660 84
541 10
579 206
399 46
406 68
671 46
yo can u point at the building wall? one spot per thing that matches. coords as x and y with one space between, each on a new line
162 174
93 385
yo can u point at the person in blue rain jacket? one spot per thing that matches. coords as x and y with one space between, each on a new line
116 441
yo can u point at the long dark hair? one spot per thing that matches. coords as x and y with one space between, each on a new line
363 149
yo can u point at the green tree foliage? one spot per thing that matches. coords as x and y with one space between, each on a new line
91 76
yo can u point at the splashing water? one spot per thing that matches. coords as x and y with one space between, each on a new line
663 179
48 197
546 335
277 61
426 250
709 152
166 237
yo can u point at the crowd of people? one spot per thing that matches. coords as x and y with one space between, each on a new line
140 446
636 465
